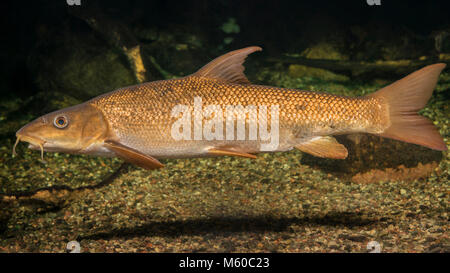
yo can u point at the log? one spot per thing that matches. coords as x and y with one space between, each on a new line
354 68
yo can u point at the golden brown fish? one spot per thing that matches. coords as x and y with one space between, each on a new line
196 116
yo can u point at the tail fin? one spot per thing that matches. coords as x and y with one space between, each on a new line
405 98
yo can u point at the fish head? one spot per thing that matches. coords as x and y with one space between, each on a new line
72 130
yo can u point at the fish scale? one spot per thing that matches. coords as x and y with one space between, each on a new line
143 115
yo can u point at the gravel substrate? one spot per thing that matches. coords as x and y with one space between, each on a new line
281 202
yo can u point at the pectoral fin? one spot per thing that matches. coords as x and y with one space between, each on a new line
133 156
230 151
324 147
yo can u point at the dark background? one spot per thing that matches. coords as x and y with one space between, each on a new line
38 35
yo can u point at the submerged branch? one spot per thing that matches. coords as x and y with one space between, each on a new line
354 68
167 75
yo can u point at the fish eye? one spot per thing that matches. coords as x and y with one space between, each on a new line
61 122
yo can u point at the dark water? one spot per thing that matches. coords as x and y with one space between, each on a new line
55 55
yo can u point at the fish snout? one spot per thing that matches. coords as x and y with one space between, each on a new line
21 131
26 134
30 129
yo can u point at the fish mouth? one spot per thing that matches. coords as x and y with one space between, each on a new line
34 143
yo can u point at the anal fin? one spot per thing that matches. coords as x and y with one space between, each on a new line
325 146
230 152
133 156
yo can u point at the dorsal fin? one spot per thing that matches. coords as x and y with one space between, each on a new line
228 67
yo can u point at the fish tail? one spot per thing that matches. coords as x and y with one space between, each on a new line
404 98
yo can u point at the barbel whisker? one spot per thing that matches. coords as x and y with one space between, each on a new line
42 153
14 148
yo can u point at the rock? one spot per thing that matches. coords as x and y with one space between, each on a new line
373 159
323 50
400 173
80 66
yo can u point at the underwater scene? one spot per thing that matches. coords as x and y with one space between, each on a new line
357 95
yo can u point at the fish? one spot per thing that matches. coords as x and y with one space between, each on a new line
186 117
